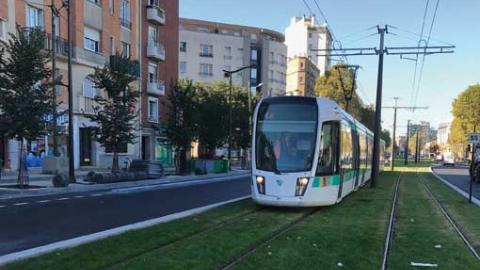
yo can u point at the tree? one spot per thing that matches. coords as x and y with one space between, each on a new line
412 141
466 112
24 90
213 123
330 86
116 110
182 120
385 135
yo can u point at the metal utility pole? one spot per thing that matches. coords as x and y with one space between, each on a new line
54 80
406 143
416 148
395 109
229 74
348 93
378 109
71 155
417 50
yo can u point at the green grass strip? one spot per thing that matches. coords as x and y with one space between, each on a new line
466 216
351 233
420 227
113 250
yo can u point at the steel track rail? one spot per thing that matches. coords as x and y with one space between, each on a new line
448 217
277 233
391 225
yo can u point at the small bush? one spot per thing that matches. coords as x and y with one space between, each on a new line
60 180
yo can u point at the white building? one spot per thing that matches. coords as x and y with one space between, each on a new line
443 133
208 48
303 36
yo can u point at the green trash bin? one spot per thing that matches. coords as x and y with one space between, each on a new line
225 166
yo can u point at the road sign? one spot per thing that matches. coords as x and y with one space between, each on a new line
474 138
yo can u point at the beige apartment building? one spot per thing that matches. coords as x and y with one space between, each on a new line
207 48
301 76
100 29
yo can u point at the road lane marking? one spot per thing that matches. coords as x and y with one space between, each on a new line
79 197
2 206
20 204
62 199
44 201
21 255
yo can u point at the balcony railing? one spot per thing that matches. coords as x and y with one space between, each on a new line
60 45
203 54
126 23
156 14
156 51
156 88
86 105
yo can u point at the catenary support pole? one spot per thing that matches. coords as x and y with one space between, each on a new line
406 143
392 157
378 109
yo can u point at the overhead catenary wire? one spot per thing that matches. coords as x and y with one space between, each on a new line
423 57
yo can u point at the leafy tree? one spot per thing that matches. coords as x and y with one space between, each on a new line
330 86
466 112
182 119
412 141
24 90
116 111
385 135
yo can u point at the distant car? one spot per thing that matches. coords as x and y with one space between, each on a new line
449 159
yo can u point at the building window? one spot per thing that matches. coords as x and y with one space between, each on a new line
183 67
125 49
253 73
3 29
125 20
183 46
95 1
89 90
34 17
254 55
206 69
310 35
228 53
56 20
111 7
91 40
206 50
112 45
153 109
253 38
152 35
202 29
152 73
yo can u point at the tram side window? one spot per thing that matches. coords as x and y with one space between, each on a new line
328 157
346 147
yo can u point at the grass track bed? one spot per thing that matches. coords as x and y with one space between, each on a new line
420 227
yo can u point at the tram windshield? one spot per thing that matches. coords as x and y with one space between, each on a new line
286 136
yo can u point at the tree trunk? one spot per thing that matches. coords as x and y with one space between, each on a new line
115 167
22 170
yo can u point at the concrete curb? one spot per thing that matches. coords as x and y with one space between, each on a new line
21 255
457 189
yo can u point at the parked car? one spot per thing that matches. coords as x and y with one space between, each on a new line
449 159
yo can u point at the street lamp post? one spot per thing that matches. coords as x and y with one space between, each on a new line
229 74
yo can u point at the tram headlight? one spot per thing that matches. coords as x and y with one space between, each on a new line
301 187
260 180
260 184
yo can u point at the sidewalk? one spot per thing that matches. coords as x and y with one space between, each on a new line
47 188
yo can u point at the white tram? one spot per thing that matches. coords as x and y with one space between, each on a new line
308 152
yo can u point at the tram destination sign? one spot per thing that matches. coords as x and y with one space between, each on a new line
474 138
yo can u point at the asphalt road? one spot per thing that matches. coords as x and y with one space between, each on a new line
31 222
459 177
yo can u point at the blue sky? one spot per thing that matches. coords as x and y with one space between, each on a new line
444 75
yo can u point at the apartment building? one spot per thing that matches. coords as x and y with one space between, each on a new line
443 133
159 61
301 76
100 29
303 36
207 48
